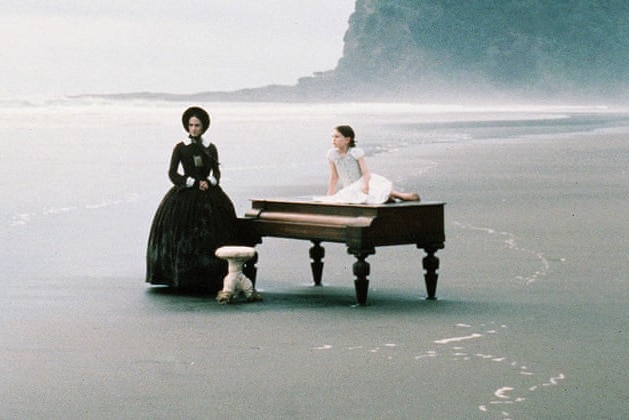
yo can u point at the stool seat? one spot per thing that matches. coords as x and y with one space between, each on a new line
235 252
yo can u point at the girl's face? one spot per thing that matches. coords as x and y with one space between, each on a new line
339 141
195 128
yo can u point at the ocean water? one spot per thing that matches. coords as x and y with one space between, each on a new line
63 154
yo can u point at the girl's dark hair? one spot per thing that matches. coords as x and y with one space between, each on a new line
347 131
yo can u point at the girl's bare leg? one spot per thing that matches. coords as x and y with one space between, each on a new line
410 196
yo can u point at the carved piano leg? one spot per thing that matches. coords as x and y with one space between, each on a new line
431 265
250 270
361 271
317 252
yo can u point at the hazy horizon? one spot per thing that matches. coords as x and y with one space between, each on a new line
73 48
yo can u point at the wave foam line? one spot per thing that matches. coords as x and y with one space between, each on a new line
457 339
511 242
502 392
22 219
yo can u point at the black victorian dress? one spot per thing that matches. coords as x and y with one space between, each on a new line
190 224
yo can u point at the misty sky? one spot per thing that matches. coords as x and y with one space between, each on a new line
66 47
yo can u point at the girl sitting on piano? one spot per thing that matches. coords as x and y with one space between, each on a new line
358 185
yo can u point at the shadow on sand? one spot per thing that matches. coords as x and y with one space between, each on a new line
320 298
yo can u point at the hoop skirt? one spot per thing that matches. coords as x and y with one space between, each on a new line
189 225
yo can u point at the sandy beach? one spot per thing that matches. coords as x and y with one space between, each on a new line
530 320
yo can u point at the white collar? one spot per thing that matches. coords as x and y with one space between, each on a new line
188 141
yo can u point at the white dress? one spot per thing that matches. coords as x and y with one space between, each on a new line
351 181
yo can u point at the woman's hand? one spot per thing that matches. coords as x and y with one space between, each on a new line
204 185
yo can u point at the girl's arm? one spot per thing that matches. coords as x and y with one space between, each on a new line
364 171
334 178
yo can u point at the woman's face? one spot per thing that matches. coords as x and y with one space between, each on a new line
195 128
339 141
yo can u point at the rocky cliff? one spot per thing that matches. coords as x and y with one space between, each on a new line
443 48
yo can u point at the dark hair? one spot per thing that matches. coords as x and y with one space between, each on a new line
200 113
347 131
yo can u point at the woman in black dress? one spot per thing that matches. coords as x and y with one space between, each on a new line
194 218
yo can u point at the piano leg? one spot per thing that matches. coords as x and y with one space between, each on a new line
250 270
317 252
361 271
431 265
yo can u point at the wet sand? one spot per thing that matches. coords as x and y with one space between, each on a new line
530 321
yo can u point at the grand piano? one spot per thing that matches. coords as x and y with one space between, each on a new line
361 227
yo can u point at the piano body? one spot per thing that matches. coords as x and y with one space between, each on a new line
361 227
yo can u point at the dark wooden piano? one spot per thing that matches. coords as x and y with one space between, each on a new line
362 227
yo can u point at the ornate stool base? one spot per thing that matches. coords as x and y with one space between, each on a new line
235 281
